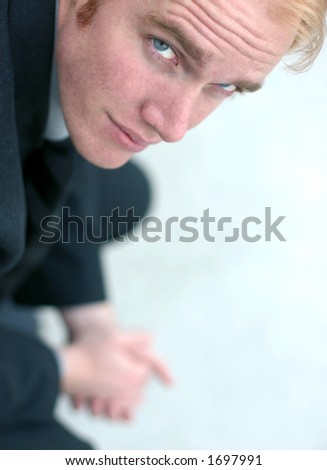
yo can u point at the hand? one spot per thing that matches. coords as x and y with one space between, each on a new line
107 369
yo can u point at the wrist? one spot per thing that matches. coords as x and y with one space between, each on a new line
72 367
83 319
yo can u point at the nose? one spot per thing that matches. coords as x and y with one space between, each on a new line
169 114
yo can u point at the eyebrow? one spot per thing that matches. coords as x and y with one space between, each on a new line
195 52
246 86
199 55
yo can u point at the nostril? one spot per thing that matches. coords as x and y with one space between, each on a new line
170 121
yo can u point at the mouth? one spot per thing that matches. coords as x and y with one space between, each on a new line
126 138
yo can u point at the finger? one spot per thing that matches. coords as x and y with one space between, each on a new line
127 415
120 412
156 364
162 371
123 408
131 403
113 410
97 406
79 402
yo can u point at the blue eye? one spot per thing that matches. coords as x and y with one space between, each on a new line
228 87
163 49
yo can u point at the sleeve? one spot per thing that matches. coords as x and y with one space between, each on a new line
29 378
70 275
71 271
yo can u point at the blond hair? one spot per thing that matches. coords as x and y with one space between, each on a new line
308 18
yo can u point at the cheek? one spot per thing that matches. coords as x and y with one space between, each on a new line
122 76
98 75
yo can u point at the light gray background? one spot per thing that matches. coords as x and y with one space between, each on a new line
243 326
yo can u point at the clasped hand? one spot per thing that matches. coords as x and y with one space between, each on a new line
104 367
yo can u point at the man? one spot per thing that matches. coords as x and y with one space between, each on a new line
131 74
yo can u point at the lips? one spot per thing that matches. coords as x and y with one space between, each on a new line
126 138
137 139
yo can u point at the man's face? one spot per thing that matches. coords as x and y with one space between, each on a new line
145 71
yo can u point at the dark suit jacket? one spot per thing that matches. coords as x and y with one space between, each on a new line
36 177
27 394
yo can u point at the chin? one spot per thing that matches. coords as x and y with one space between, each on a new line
103 155
107 162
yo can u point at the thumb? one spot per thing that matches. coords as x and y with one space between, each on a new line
135 340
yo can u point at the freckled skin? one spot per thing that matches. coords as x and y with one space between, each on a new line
110 68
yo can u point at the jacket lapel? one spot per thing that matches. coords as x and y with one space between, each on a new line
12 204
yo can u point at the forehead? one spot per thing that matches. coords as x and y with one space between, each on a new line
241 35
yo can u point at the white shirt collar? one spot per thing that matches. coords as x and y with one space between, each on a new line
56 128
